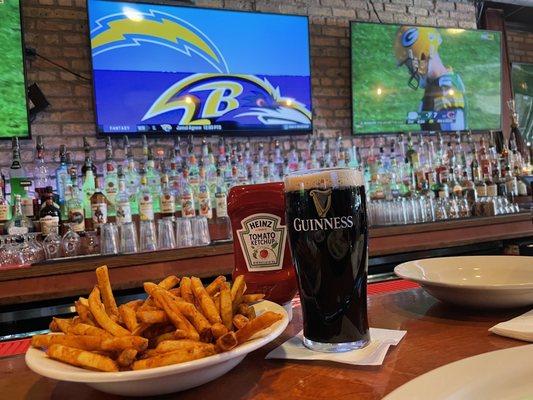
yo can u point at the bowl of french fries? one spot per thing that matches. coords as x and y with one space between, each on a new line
182 335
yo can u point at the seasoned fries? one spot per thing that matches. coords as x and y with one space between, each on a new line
174 324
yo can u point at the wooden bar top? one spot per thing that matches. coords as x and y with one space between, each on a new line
73 277
437 334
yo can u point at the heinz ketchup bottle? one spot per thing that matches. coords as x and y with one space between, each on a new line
262 254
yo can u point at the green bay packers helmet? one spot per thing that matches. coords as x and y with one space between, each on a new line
413 47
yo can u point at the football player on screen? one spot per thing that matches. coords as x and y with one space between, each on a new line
444 93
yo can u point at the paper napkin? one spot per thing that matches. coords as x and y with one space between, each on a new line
520 327
373 354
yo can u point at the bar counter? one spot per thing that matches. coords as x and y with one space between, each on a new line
437 334
73 277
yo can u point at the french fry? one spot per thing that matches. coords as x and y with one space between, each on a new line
124 342
176 291
126 357
78 342
128 316
169 282
141 328
181 334
102 276
216 301
226 342
239 321
97 309
252 298
152 316
84 301
81 358
134 304
257 324
237 291
173 345
174 314
186 290
84 313
244 309
226 307
163 337
63 324
206 303
174 357
214 286
218 330
53 326
87 330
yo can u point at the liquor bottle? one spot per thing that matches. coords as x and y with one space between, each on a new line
204 198
187 196
18 178
88 189
62 179
481 186
88 163
40 172
153 179
50 214
75 211
412 154
99 207
444 189
146 201
492 187
123 207
31 202
110 180
168 198
511 183
72 168
5 209
18 224
131 177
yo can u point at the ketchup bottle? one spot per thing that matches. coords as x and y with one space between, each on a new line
260 241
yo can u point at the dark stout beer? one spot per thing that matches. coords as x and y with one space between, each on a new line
326 217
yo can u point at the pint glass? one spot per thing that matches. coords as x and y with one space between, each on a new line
328 235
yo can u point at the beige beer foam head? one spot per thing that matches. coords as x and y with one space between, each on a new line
325 178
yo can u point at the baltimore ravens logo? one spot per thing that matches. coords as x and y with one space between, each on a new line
205 99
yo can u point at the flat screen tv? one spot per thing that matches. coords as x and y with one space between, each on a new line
522 80
416 78
13 103
161 70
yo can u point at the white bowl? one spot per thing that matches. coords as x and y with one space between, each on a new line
161 380
474 281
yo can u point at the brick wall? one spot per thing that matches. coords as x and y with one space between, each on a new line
520 45
58 30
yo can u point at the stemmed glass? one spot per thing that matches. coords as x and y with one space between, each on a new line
71 242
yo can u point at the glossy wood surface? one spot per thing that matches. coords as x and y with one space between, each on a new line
63 278
437 334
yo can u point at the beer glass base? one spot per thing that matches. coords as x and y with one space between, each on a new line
334 347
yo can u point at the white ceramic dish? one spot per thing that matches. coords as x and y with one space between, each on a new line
498 375
162 380
474 281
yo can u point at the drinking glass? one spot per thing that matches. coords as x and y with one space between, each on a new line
71 242
147 236
183 232
109 238
128 238
52 245
200 231
166 238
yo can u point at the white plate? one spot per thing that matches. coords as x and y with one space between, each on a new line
498 375
474 281
161 380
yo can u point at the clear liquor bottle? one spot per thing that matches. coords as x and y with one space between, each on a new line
123 206
131 177
187 196
110 180
204 197
168 198
40 171
18 224
62 174
146 201
76 212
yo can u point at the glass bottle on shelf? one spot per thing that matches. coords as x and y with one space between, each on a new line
88 188
153 178
5 209
31 202
40 171
146 202
204 197
187 196
168 199
110 179
62 174
88 163
76 213
123 206
18 176
50 214
18 224
99 207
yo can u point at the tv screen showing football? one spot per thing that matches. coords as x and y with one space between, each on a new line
161 69
13 104
415 78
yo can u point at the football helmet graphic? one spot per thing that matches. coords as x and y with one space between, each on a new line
413 47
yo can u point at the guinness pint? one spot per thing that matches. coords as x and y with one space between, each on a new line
326 217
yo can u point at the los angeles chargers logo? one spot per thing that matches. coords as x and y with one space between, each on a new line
126 30
204 99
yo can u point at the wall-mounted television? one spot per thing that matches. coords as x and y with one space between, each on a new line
13 103
522 80
414 78
162 70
